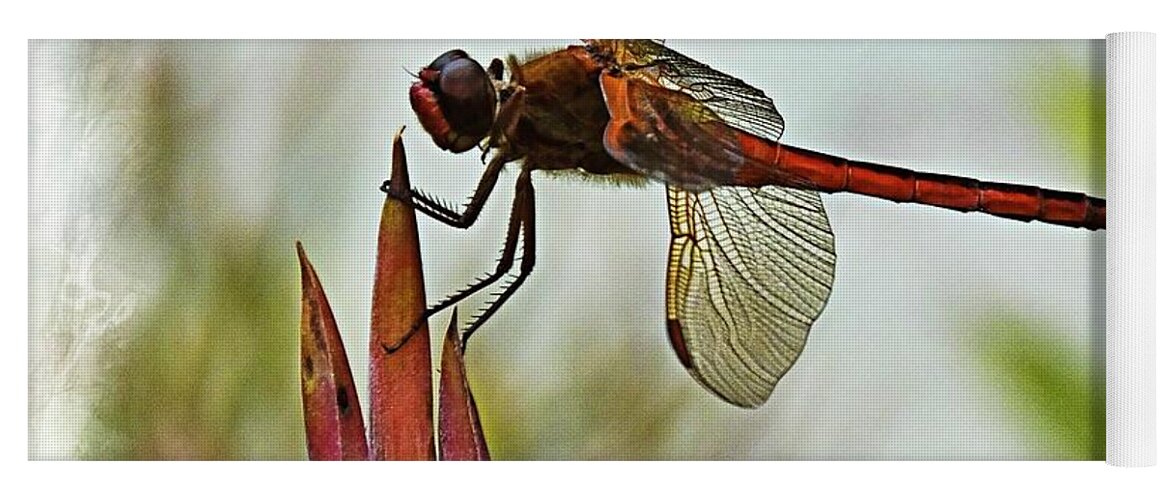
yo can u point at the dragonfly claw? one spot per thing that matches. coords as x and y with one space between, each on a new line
388 187
391 348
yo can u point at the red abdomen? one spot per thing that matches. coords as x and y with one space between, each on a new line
832 174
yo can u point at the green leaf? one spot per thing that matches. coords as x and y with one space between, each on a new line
1055 389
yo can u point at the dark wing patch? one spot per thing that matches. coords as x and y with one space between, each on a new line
737 103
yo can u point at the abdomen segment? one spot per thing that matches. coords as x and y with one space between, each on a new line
832 174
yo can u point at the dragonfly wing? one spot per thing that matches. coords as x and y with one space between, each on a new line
750 268
670 136
749 271
737 103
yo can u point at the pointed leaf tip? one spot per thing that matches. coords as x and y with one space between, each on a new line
461 437
399 178
401 426
334 429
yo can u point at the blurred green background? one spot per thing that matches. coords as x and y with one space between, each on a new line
169 181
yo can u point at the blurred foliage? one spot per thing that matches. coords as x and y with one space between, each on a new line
606 410
208 368
1057 391
1070 103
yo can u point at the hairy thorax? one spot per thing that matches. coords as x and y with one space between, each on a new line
564 116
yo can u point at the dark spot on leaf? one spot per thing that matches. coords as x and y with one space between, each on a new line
343 400
307 367
315 324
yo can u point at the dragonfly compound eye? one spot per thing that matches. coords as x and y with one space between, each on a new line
455 101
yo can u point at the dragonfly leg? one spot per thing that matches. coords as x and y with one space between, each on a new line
524 206
496 69
522 215
509 116
439 211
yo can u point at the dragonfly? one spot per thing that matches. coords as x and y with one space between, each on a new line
751 259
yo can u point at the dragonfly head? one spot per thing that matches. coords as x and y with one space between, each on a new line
455 101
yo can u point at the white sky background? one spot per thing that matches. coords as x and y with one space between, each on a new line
884 373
